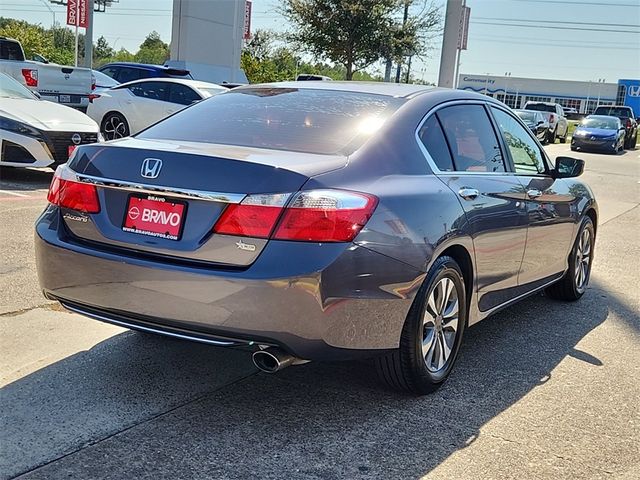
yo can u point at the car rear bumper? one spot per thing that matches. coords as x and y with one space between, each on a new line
318 301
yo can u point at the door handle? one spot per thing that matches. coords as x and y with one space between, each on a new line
533 193
468 193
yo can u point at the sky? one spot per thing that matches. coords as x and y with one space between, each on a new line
565 40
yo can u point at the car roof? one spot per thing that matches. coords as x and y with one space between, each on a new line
183 81
603 117
376 88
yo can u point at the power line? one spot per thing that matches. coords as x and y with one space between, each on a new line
544 44
553 28
561 22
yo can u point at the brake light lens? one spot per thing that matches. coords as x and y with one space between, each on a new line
67 193
628 123
254 217
551 118
93 96
30 77
325 216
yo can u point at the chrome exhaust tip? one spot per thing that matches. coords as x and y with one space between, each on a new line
273 359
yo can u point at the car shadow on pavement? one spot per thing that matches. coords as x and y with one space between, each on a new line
139 406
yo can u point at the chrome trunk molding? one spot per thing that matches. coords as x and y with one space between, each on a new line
160 189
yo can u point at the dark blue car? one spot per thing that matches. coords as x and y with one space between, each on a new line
319 221
127 72
599 133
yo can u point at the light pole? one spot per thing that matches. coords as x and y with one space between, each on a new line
586 109
506 87
600 82
486 83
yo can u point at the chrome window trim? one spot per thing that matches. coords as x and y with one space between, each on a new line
161 189
437 171
430 161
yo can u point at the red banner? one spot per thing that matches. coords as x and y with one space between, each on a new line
247 20
77 13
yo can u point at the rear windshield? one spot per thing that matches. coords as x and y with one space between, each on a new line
294 119
541 107
614 111
607 123
10 51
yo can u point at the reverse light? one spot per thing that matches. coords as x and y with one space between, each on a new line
30 77
69 193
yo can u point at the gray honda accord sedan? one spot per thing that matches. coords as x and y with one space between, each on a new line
319 221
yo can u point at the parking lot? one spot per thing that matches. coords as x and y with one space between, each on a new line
543 389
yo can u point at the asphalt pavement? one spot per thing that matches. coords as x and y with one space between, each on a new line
544 389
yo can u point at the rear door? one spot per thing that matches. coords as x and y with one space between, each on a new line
150 104
551 205
181 96
467 156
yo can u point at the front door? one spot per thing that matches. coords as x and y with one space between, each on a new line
551 205
473 166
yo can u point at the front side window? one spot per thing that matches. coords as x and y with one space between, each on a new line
128 74
151 90
471 138
525 152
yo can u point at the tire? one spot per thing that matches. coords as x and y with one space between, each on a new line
405 368
114 125
552 137
572 286
573 149
634 142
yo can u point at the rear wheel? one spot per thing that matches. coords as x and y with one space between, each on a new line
552 137
574 282
432 333
114 125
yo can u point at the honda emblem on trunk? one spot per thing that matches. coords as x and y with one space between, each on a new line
151 167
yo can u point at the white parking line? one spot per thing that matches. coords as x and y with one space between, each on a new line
13 193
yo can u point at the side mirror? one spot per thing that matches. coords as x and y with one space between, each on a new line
567 167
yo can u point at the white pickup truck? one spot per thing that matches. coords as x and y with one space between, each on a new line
69 86
554 113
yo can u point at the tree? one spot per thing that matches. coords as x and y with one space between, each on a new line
102 49
153 50
350 33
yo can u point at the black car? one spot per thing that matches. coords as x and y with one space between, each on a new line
127 72
536 123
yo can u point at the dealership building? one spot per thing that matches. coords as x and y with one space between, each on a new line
583 96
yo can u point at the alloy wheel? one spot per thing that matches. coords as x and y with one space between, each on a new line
583 260
115 127
440 324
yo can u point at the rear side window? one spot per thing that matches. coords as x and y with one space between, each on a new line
471 138
182 95
432 138
294 119
151 90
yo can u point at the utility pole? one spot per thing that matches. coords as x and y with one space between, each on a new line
408 69
448 57
405 17
88 35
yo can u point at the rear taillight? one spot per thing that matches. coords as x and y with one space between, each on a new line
68 193
30 77
551 118
312 216
93 96
254 217
628 125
